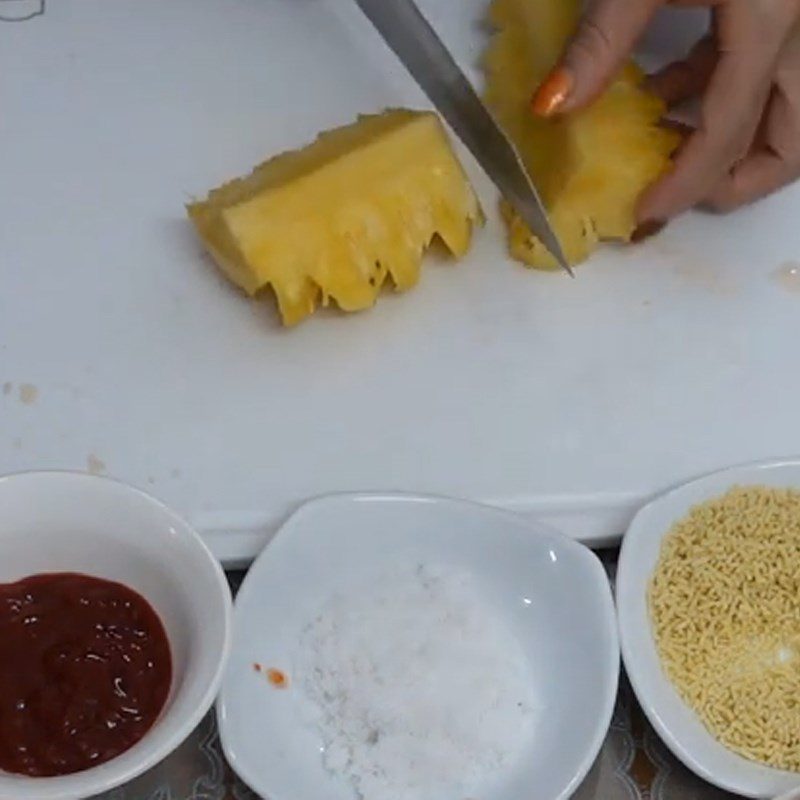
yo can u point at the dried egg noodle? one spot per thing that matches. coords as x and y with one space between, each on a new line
725 608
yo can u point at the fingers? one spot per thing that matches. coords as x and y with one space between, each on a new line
682 80
604 40
776 162
704 159
757 176
731 112
724 136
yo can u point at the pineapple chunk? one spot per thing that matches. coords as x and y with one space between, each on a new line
590 166
337 218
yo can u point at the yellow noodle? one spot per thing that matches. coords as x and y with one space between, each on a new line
725 608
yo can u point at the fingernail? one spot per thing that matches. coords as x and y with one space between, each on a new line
550 96
648 228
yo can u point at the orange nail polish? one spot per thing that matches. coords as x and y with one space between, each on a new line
550 96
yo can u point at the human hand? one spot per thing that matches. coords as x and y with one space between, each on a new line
747 70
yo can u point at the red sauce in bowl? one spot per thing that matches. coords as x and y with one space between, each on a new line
85 670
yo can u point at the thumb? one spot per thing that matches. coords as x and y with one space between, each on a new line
606 35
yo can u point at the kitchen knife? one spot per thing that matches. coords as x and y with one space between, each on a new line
425 56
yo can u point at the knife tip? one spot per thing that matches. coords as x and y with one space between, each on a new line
559 256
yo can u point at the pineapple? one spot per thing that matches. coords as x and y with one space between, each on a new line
337 219
590 166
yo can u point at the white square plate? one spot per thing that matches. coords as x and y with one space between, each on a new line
553 593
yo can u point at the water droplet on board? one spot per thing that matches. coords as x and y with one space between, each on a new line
788 276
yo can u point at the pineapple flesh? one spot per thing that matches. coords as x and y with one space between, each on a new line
590 166
336 220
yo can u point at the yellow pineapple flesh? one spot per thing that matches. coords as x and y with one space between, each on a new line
337 219
590 166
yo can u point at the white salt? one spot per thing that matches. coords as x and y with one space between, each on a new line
421 689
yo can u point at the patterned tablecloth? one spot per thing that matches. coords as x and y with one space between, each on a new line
633 764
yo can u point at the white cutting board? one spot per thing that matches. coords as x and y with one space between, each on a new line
121 350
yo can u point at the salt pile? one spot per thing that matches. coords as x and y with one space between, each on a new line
422 691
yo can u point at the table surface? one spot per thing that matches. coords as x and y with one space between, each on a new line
633 764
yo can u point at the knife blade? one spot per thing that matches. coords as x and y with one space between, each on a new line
418 46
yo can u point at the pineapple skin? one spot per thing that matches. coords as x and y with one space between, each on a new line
591 166
337 219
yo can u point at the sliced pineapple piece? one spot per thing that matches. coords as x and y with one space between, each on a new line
335 220
590 166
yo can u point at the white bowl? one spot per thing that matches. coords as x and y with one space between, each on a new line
675 722
68 522
553 591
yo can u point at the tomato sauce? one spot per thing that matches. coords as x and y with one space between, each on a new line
85 670
277 678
